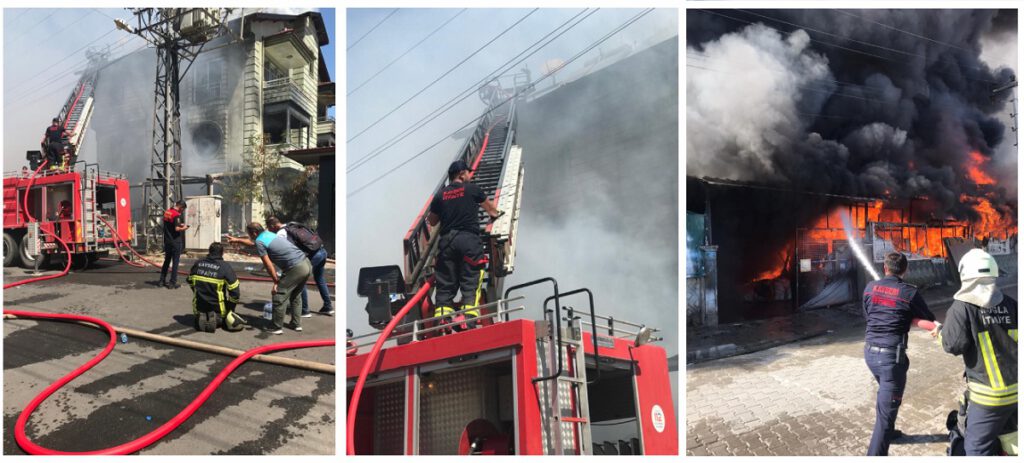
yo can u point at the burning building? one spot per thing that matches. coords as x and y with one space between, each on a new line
799 120
265 83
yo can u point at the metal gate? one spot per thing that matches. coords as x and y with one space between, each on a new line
825 271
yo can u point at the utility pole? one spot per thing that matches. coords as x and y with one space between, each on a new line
178 34
1002 88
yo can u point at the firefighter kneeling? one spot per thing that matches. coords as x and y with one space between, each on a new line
216 292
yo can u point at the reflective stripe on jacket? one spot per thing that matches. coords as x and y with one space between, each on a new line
987 340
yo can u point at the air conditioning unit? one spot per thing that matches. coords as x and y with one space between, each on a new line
198 23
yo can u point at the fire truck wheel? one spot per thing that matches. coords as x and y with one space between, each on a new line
10 250
28 260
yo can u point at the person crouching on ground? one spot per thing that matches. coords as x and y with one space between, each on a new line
287 290
216 292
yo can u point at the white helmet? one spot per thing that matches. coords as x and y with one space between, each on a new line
976 264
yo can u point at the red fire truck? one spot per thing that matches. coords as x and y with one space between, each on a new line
558 382
70 205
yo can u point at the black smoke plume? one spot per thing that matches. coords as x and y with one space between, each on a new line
876 103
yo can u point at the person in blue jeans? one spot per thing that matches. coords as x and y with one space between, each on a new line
319 260
891 305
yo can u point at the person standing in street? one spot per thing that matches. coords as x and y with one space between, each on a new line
891 306
174 243
981 327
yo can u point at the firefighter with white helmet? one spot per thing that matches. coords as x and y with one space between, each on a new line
981 326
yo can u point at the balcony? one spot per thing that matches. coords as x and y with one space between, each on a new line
325 131
287 90
283 161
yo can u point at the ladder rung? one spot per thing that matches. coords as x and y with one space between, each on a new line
570 379
573 419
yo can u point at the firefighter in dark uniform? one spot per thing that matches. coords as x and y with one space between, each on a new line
981 326
460 259
215 289
174 243
53 144
890 307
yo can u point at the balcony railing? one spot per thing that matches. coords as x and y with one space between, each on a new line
325 125
287 89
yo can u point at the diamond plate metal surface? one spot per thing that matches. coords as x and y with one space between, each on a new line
389 419
448 402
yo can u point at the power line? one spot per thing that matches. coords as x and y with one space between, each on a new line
461 96
20 14
854 50
104 14
58 62
25 32
510 98
406 52
77 67
442 76
392 13
72 69
57 33
882 47
903 31
60 88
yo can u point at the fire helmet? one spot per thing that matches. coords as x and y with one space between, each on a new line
976 264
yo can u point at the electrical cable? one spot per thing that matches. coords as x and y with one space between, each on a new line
452 102
861 42
830 44
511 97
443 75
27 29
392 13
406 52
57 77
62 60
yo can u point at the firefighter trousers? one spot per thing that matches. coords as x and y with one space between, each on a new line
984 425
460 267
891 374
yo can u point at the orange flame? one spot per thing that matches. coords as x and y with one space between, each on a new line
975 165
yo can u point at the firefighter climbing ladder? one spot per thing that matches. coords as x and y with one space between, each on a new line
497 168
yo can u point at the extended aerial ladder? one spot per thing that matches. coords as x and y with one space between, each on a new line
497 168
510 386
75 115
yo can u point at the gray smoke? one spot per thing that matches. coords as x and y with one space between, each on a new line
777 96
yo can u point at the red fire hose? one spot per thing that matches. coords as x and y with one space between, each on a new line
67 250
158 433
353 405
153 436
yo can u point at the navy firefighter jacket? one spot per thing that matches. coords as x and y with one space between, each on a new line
889 306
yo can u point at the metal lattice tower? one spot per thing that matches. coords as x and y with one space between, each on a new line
178 34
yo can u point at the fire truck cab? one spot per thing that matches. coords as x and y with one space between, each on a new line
505 389
70 204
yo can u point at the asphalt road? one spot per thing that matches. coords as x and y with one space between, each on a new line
261 409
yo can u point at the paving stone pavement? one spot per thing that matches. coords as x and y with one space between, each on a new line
817 397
